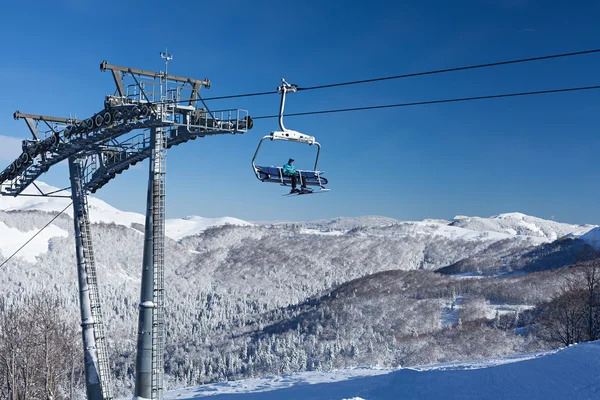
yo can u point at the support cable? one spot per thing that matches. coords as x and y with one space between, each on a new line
446 70
441 101
411 75
37 233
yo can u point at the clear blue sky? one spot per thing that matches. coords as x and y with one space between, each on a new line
536 155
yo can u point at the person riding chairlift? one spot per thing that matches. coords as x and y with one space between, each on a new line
290 170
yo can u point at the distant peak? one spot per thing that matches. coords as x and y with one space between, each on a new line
459 217
512 215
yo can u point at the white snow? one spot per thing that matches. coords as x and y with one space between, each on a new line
506 309
450 312
100 211
592 237
522 225
570 373
308 231
454 232
13 238
192 225
341 224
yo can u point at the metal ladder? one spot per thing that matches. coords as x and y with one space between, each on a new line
158 250
92 280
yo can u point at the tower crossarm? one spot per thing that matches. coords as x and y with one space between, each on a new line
104 66
123 153
64 137
119 73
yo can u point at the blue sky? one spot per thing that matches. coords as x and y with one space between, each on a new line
536 155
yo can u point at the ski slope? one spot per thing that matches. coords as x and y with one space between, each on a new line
570 373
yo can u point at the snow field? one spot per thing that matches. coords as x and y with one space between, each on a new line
13 238
569 373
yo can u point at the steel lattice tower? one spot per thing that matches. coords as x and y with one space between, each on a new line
148 113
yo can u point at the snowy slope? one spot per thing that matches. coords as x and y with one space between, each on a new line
192 225
497 227
342 223
100 211
592 237
571 373
13 238
456 232
521 224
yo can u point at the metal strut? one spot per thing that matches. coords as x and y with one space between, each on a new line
158 323
97 370
150 352
284 88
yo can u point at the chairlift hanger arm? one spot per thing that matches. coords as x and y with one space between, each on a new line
284 88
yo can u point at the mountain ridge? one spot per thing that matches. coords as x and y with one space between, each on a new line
511 224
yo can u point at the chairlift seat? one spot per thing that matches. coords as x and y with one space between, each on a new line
274 174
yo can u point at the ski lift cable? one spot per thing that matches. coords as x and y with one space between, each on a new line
37 233
440 101
415 74
446 70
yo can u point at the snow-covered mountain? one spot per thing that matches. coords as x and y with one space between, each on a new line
12 238
179 228
520 224
256 299
342 223
506 225
592 238
510 230
570 373
100 211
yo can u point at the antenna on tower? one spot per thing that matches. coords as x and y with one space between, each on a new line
168 57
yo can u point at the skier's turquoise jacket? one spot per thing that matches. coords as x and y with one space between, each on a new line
289 170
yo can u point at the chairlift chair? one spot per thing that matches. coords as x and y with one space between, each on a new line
275 174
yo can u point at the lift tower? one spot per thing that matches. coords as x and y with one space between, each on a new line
148 113
37 158
171 103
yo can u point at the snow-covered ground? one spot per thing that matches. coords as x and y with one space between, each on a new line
570 373
13 238
450 312
100 211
